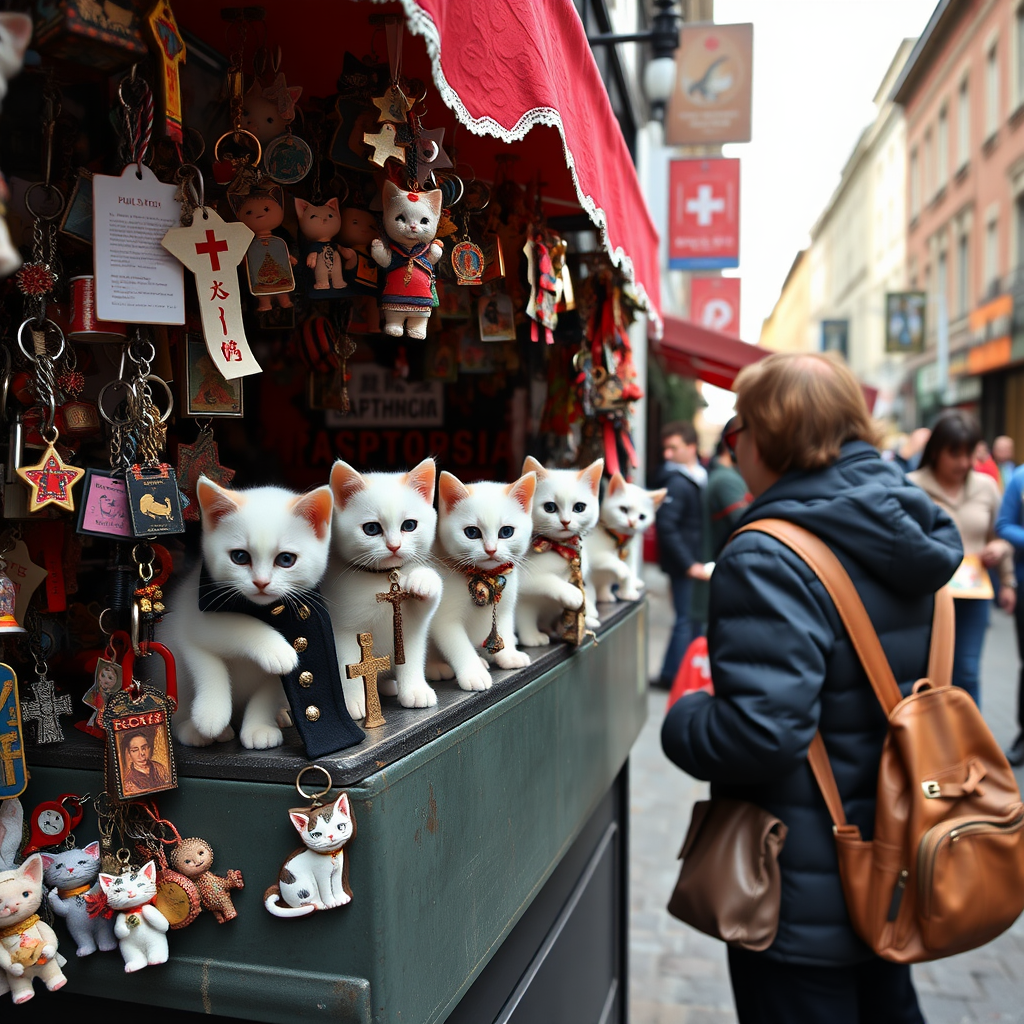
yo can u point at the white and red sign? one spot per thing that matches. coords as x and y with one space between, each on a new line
715 303
704 214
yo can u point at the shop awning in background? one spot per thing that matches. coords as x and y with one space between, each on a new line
506 66
715 358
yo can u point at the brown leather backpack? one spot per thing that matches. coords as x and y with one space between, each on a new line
944 872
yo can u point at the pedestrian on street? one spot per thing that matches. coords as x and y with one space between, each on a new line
727 495
972 500
1003 453
1010 526
783 667
679 524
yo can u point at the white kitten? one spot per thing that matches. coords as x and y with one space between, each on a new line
383 521
626 511
264 544
565 509
483 527
15 34
141 930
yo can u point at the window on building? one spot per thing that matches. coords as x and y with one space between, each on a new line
928 167
942 279
991 256
942 153
992 91
963 125
963 267
915 184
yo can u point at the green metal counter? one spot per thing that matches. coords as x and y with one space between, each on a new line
465 814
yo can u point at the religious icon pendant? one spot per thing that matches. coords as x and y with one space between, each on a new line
268 267
368 668
45 709
395 596
13 770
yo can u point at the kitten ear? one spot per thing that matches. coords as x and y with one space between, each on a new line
32 869
20 28
341 805
345 482
49 861
617 482
316 508
106 881
215 501
300 207
93 850
299 820
389 193
433 199
531 465
421 479
592 474
333 204
451 491
658 496
149 871
523 490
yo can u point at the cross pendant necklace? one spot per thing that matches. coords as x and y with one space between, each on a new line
394 597
367 669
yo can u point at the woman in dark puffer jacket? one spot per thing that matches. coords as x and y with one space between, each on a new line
783 667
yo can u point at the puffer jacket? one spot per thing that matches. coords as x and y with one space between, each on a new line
679 521
783 666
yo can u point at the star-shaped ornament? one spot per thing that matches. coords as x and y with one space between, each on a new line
51 480
196 460
430 156
385 144
394 105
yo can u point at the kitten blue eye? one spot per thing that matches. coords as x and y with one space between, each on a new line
579 507
409 525
372 529
473 532
240 557
286 560
25 894
506 531
549 506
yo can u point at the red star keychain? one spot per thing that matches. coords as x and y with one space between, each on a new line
51 479
200 459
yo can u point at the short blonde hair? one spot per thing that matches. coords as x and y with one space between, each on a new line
801 408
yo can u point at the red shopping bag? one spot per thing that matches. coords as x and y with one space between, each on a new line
694 673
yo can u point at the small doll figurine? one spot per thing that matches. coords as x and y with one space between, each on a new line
358 232
106 680
28 946
268 262
194 859
141 930
318 225
267 112
408 258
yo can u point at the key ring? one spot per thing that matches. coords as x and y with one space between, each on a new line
314 799
47 325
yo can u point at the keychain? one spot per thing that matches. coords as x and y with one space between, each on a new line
315 877
46 705
140 928
106 680
52 821
13 769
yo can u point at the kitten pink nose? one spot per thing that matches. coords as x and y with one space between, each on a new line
490 551
393 547
565 523
261 585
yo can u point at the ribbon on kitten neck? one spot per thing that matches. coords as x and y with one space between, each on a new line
17 929
313 688
485 588
569 550
621 542
572 625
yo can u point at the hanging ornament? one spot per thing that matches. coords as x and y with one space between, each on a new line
8 602
13 770
51 479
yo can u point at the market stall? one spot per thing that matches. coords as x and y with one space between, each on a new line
290 248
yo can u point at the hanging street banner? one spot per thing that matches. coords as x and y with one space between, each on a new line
715 303
905 321
704 214
710 102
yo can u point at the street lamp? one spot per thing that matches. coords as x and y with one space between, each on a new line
660 73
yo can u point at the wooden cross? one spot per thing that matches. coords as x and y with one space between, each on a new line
44 709
8 757
368 669
394 597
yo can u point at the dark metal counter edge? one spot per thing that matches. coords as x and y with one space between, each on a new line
406 730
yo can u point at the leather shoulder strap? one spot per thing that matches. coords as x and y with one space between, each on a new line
817 554
940 654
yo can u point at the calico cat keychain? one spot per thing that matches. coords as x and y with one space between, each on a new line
315 877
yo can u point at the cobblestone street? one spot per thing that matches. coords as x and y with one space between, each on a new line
679 976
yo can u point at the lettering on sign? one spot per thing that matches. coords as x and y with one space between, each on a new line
380 399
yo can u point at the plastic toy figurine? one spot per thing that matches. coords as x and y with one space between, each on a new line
194 859
140 928
268 111
409 257
319 225
74 876
268 262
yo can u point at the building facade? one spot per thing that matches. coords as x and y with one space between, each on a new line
962 91
788 327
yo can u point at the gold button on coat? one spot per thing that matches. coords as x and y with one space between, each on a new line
306 679
300 643
312 712
303 612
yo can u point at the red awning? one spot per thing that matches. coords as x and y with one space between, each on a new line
715 358
519 74
694 351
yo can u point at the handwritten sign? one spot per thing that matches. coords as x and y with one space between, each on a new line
136 280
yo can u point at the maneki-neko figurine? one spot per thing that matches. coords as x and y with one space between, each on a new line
268 263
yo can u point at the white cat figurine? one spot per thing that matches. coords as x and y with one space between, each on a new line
28 945
73 876
15 33
316 876
383 521
264 544
483 533
140 928
408 257
565 510
626 511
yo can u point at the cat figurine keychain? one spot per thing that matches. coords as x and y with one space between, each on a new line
315 877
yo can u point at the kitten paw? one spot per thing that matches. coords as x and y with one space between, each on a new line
278 658
606 595
629 595
436 670
423 583
85 950
535 639
190 736
592 621
418 695
226 734
573 599
356 706
261 737
477 678
511 659
394 330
